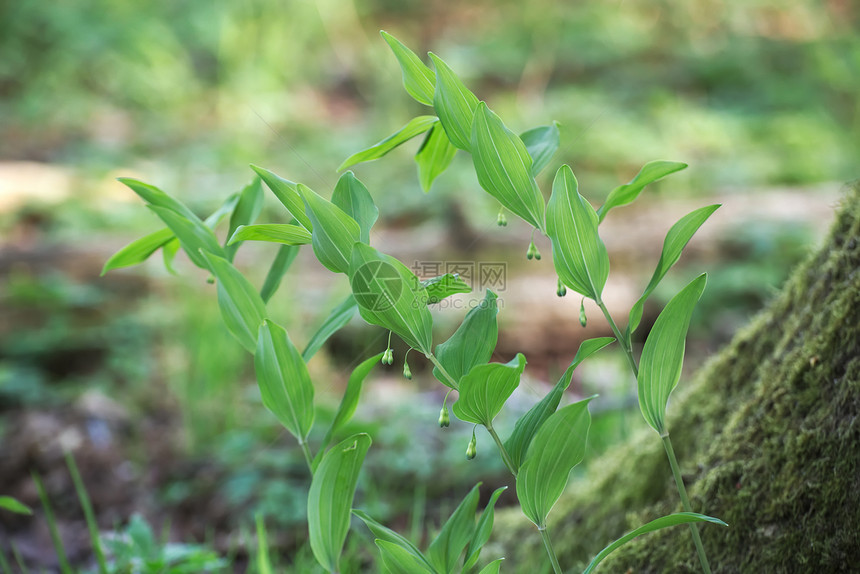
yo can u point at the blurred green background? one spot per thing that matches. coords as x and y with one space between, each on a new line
133 371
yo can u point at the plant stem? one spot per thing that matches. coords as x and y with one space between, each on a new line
556 567
442 370
308 458
685 501
667 444
622 340
505 456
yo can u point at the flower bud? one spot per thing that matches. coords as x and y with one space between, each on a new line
444 418
582 318
388 357
530 254
561 290
407 372
501 220
472 449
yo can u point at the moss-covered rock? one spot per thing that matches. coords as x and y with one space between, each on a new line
768 436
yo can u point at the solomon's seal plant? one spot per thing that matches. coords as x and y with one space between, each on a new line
547 442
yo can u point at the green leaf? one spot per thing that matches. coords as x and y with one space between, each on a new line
138 251
384 533
578 253
455 534
677 238
436 154
627 193
418 79
541 142
273 232
154 196
400 560
503 166
518 443
484 390
285 384
663 353
334 232
264 563
353 198
14 505
416 126
349 402
330 498
168 253
242 308
287 193
336 320
472 343
443 286
389 295
225 209
454 103
662 522
192 234
285 257
492 567
482 531
558 446
247 210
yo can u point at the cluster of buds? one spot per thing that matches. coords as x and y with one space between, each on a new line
444 417
388 357
501 220
533 252
407 372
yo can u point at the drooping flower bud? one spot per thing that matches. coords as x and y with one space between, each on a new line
444 417
388 357
582 318
561 290
407 372
501 220
472 449
530 254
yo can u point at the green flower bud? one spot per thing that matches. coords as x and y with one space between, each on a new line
444 418
537 253
388 357
472 449
530 254
561 291
501 220
582 318
407 372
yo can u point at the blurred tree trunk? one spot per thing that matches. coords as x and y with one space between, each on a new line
768 437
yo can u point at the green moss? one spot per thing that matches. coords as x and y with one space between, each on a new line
768 438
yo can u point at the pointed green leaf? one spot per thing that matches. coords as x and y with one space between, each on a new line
472 343
418 79
677 238
627 193
13 505
389 295
663 353
482 531
493 567
454 103
330 498
578 253
484 390
285 257
285 384
443 286
168 253
416 126
384 533
541 142
518 443
503 166
353 198
334 232
400 560
138 250
192 234
336 320
154 196
558 446
349 402
242 308
247 209
273 232
446 548
287 193
662 522
436 154
225 209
